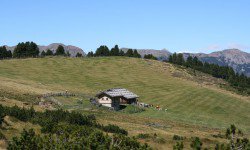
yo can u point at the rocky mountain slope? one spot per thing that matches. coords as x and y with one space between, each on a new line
160 54
73 50
235 58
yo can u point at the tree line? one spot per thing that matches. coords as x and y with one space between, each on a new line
31 49
103 51
236 80
67 130
4 53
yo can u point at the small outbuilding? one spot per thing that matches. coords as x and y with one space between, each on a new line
113 98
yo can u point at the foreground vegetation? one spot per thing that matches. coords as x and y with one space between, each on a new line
65 130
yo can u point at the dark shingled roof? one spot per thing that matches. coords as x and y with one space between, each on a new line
119 92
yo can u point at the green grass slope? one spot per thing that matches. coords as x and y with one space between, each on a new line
153 81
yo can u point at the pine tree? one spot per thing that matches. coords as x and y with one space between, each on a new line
60 50
196 144
43 54
189 62
90 54
4 53
28 49
130 53
170 59
180 59
78 55
114 51
174 58
49 52
102 51
136 54
150 56
121 53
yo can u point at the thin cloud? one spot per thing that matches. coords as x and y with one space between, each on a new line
237 46
211 47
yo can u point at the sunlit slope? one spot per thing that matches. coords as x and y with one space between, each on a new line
153 81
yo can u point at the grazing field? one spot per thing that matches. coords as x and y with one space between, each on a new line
187 101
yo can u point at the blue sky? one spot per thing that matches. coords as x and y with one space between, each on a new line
177 25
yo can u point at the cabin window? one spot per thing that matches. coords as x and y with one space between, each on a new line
107 99
102 98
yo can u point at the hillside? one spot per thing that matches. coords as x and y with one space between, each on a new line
196 105
187 101
235 58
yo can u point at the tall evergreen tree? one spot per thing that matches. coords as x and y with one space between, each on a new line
121 53
102 51
136 54
114 51
90 54
150 56
180 59
189 62
174 58
43 54
78 55
60 50
49 52
4 53
28 49
130 53
170 59
32 49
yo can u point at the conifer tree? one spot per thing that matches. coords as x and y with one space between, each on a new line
114 51
130 53
60 50
43 54
49 52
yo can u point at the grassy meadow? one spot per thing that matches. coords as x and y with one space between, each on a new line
188 102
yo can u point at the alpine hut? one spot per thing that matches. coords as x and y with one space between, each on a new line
113 98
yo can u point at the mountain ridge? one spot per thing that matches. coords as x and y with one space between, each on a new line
73 50
235 58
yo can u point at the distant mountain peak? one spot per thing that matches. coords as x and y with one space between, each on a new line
235 58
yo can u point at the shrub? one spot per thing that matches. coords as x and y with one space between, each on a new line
196 144
178 138
114 129
2 137
178 146
143 136
74 137
68 130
